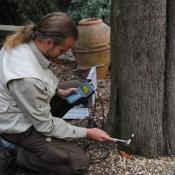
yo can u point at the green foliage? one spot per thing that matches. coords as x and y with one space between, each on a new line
35 9
77 9
80 9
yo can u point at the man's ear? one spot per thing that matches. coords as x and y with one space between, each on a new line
49 44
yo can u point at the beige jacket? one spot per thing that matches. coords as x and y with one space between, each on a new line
26 87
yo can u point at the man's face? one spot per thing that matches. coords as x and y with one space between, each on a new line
57 50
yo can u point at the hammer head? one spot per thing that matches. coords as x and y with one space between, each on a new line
129 140
126 142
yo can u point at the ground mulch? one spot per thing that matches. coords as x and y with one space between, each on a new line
106 158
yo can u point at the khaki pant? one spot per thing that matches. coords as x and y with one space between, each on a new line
45 154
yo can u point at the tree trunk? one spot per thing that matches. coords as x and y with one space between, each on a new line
169 117
137 74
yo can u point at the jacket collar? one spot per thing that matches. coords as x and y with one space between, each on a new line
43 61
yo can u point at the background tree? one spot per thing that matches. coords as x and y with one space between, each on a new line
143 76
9 13
35 9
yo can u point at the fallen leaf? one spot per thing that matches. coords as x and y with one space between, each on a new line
126 155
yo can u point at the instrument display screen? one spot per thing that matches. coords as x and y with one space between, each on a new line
85 89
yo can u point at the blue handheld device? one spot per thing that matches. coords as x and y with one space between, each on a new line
84 91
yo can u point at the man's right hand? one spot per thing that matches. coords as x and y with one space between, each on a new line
98 135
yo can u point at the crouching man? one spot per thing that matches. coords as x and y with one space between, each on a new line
32 99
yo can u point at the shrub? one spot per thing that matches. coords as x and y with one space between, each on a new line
80 9
77 9
35 9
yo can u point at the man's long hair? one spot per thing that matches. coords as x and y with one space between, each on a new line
56 26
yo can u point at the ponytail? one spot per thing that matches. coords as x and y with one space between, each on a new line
56 26
23 35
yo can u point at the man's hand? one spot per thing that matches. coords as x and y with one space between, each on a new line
98 135
63 93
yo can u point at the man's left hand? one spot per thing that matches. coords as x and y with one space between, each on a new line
63 93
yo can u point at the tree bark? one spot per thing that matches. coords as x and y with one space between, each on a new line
113 116
169 115
137 74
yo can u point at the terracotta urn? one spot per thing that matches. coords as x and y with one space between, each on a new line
93 46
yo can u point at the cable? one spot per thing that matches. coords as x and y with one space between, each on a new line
94 121
101 152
